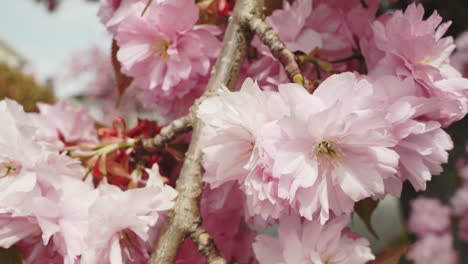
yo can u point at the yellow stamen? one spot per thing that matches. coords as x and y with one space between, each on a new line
160 48
7 168
326 151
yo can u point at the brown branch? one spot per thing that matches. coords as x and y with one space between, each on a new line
184 218
206 246
277 47
167 134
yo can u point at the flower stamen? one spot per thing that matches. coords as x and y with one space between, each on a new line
327 152
160 48
8 168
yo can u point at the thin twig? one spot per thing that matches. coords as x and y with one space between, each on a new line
184 218
167 134
278 49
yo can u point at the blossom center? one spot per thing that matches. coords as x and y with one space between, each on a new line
327 258
8 168
160 48
326 152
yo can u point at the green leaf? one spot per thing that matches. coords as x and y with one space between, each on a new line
365 208
391 255
10 256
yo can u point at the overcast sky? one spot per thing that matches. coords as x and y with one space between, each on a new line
47 39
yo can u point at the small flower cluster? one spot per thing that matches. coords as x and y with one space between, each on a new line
460 199
303 160
430 221
49 213
164 50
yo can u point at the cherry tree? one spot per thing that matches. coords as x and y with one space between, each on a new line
286 116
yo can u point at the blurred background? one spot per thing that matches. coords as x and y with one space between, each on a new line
51 49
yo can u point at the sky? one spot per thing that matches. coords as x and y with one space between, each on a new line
47 39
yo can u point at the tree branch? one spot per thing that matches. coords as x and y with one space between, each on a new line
184 218
206 246
168 133
277 47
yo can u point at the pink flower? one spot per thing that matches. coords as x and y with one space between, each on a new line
428 215
433 249
396 35
459 59
321 28
108 9
413 47
231 130
170 106
463 228
165 47
62 122
311 243
459 202
121 231
326 164
422 145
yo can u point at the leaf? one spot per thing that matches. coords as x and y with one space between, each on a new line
391 255
365 208
10 256
122 80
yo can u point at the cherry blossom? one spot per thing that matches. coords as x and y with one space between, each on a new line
301 241
432 249
160 52
63 122
138 211
428 215
413 47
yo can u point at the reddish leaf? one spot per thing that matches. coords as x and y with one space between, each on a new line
365 208
391 255
122 80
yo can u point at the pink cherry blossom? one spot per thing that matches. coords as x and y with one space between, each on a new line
463 228
301 241
459 59
326 164
42 192
62 122
433 249
54 205
459 202
428 215
231 130
165 47
319 27
413 47
420 155
174 106
396 35
137 211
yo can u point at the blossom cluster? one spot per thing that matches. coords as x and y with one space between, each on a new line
164 50
459 200
49 213
362 133
430 221
274 154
